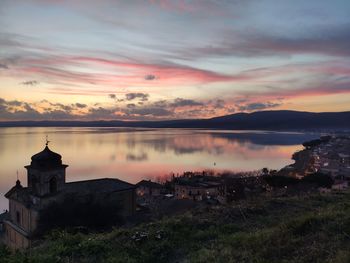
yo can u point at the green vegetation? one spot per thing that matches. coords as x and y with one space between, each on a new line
310 228
320 179
74 213
280 180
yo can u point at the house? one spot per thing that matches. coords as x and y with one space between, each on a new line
196 188
149 188
47 187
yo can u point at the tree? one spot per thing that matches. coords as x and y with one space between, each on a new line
265 171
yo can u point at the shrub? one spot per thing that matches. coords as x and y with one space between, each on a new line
280 181
322 180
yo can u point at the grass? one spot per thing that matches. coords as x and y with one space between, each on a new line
299 229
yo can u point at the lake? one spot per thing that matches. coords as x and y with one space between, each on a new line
135 154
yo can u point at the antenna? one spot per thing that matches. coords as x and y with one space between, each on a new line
17 174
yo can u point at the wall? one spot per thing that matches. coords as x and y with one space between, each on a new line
144 190
190 192
14 239
42 179
187 192
28 218
127 201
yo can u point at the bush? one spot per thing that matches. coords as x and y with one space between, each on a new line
71 213
280 181
322 180
3 252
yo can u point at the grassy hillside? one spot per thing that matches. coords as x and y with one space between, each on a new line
286 229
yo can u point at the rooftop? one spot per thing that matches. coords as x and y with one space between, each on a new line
149 183
198 184
102 185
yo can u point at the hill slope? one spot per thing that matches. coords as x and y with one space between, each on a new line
309 228
264 120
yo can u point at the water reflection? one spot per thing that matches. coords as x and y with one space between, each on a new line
266 138
137 158
135 154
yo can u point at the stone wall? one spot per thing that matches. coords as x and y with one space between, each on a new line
13 237
25 218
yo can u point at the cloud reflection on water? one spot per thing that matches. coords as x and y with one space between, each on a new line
135 154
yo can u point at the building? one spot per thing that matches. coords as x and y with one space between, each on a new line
197 187
149 188
46 180
4 216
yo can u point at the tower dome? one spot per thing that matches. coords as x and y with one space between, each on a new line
46 159
46 174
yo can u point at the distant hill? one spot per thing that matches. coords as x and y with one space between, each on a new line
263 120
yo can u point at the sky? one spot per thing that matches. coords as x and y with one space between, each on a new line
163 59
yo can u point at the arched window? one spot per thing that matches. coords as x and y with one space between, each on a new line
53 185
35 185
18 217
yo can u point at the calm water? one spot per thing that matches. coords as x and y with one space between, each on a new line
135 154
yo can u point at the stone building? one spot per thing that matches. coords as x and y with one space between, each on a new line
196 190
149 188
46 180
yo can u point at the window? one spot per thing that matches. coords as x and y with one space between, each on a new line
53 185
35 185
18 217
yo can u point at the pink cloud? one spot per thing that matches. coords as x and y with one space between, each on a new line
172 73
83 75
116 73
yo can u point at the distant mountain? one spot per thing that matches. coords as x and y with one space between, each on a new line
284 120
263 120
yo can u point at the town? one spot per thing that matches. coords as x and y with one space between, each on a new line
49 201
327 157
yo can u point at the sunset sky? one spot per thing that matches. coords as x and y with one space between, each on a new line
148 60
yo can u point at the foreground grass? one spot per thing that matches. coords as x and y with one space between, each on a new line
292 229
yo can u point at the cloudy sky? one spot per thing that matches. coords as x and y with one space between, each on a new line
151 59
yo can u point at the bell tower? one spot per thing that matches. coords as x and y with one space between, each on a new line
46 174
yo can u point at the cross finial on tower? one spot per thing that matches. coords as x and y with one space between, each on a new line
47 140
18 182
